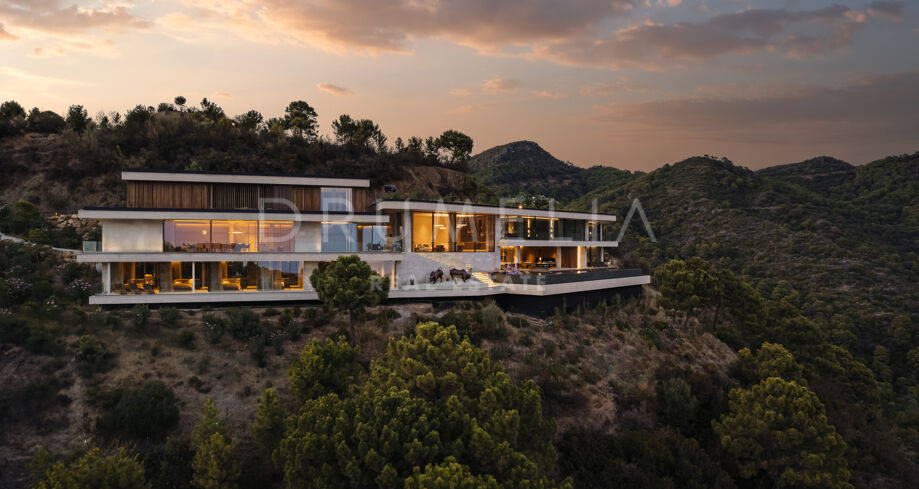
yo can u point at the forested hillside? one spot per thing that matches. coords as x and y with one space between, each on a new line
778 345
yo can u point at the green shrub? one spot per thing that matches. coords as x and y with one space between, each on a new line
169 316
140 314
187 340
270 312
215 326
242 323
148 411
92 356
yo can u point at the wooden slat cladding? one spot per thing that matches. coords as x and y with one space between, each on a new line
360 198
168 195
306 198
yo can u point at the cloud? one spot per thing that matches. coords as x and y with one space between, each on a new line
891 10
39 80
501 85
57 18
650 45
460 92
548 94
470 108
333 89
5 35
224 95
873 110
621 84
47 52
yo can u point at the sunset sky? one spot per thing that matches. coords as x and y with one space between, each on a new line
632 84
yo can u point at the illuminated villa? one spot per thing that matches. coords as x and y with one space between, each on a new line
219 238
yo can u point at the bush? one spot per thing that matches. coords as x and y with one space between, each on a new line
169 316
140 314
215 326
92 356
187 340
242 323
148 411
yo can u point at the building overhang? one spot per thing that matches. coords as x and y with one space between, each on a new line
104 213
506 211
218 177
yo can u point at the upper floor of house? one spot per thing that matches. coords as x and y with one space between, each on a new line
149 189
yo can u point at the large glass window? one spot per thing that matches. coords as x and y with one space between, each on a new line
570 229
186 235
441 234
538 228
335 199
475 232
422 226
280 275
234 236
276 236
512 227
339 237
374 238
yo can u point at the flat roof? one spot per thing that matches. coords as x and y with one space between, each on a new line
144 213
142 175
440 206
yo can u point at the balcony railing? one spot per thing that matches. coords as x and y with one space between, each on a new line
92 246
564 276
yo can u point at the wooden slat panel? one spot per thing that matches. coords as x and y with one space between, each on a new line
167 195
306 198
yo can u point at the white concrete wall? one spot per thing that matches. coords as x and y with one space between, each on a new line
420 265
308 238
132 235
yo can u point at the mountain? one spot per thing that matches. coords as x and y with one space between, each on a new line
524 166
817 174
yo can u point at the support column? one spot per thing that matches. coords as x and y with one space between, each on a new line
518 254
108 278
558 257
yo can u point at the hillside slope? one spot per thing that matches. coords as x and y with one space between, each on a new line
524 166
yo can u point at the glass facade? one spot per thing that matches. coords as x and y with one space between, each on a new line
191 277
229 236
339 237
448 232
334 199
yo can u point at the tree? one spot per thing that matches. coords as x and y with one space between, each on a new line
137 116
676 404
302 119
214 465
211 111
432 400
44 121
348 284
778 431
770 360
180 101
92 470
208 424
327 367
360 132
270 421
148 411
12 118
448 475
250 120
457 144
687 285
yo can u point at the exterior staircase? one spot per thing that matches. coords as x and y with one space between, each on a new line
485 278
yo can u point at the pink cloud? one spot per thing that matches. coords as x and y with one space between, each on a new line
333 89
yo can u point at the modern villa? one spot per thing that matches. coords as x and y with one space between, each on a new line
221 238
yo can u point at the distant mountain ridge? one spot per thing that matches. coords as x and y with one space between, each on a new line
524 166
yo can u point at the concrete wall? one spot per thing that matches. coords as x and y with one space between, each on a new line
308 238
132 235
420 265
